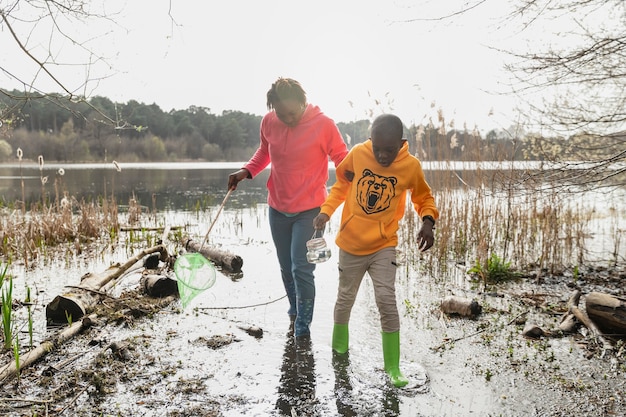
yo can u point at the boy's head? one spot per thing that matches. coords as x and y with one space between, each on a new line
386 138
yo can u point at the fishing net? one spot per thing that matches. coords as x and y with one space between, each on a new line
194 274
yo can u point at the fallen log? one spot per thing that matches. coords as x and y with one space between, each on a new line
569 323
575 313
156 285
221 258
584 319
10 370
462 306
608 312
75 304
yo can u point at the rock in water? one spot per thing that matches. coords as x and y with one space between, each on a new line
533 331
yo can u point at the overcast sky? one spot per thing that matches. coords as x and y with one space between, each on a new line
349 55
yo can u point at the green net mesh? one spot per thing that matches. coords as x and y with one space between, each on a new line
194 274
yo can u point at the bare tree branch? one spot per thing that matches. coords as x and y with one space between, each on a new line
448 16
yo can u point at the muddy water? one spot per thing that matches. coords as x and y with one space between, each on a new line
491 370
457 366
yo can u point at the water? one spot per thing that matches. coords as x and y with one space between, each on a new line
161 187
318 251
176 373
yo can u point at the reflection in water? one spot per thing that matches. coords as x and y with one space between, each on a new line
391 403
296 390
343 386
157 186
353 402
160 187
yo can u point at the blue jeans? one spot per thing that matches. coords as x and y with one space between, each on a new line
290 234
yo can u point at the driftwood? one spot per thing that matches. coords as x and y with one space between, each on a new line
221 258
156 285
569 322
79 305
10 370
582 317
461 306
75 304
151 229
254 331
608 312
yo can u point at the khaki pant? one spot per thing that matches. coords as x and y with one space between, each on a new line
381 267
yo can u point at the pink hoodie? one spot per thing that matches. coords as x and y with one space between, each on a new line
299 159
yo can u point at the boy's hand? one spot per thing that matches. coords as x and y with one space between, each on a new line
425 237
320 221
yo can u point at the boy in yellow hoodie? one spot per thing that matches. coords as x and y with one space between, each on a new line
374 202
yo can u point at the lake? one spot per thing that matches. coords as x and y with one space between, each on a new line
161 186
169 186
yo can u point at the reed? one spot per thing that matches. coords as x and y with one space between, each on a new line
16 357
58 187
50 223
494 222
28 302
43 179
7 308
20 155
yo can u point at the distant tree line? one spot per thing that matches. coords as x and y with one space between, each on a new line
101 130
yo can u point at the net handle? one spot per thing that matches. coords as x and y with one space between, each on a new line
219 210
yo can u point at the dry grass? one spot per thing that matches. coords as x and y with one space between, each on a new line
483 212
535 227
27 235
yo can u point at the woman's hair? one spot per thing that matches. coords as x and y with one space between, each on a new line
285 89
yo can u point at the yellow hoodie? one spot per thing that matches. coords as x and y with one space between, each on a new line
375 199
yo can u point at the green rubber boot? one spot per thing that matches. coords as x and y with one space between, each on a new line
391 355
340 338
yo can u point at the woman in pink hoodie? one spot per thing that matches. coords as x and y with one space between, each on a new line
298 140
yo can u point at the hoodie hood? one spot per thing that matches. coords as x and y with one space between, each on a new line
403 153
299 159
310 113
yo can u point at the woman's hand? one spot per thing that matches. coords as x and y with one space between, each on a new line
236 177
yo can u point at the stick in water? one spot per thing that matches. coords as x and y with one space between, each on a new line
219 210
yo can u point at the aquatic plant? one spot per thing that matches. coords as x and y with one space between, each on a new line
494 271
16 357
7 308
27 301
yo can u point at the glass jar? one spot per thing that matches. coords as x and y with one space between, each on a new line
317 251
